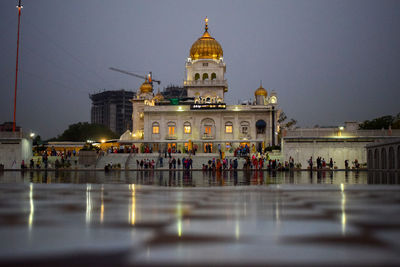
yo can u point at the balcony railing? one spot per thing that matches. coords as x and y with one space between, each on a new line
170 137
206 83
207 137
244 136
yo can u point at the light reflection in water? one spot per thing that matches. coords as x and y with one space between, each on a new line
179 215
132 208
102 204
32 207
88 203
237 221
343 209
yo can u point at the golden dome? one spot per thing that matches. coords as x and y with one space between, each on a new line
146 87
206 47
158 97
261 91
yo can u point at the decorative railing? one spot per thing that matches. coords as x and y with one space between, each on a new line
244 136
170 137
207 137
206 83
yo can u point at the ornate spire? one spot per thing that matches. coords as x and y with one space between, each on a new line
206 20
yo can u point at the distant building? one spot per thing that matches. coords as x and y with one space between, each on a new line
173 91
8 127
384 155
339 143
113 109
15 147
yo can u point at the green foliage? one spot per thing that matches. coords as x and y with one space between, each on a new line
381 122
82 131
37 141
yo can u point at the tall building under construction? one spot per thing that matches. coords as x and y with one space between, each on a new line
113 109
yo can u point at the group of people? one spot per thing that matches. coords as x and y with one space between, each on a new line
321 163
242 151
145 164
218 164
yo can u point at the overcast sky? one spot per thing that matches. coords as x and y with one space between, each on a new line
328 61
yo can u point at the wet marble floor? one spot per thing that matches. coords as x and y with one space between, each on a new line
130 225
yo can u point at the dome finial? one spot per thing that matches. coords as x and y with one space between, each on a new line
206 20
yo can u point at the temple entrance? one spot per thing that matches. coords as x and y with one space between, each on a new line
207 147
155 147
172 146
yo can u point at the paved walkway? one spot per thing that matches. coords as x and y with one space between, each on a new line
122 225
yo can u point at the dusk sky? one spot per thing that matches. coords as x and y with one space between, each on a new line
328 61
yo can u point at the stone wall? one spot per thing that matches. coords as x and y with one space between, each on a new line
384 155
13 151
338 151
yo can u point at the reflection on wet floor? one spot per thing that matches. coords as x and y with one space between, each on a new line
202 179
81 224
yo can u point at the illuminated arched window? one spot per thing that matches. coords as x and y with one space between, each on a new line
205 76
213 76
228 127
187 128
156 128
196 76
171 128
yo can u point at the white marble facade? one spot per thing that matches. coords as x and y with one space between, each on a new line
204 117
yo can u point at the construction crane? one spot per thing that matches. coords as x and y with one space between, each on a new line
148 78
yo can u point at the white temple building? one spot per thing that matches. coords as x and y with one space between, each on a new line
202 121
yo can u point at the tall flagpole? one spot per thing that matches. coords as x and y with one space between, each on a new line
16 68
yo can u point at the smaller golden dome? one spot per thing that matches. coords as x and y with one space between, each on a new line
261 91
146 87
158 97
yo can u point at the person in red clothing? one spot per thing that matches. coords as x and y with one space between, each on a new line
169 152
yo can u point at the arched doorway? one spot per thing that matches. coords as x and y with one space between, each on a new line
208 128
376 159
391 158
398 157
383 159
261 125
370 160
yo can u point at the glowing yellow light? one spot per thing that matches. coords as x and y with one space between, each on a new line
180 108
102 205
179 214
32 207
103 140
179 227
343 210
132 210
341 128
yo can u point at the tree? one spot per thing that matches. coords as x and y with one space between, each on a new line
381 122
82 131
37 140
